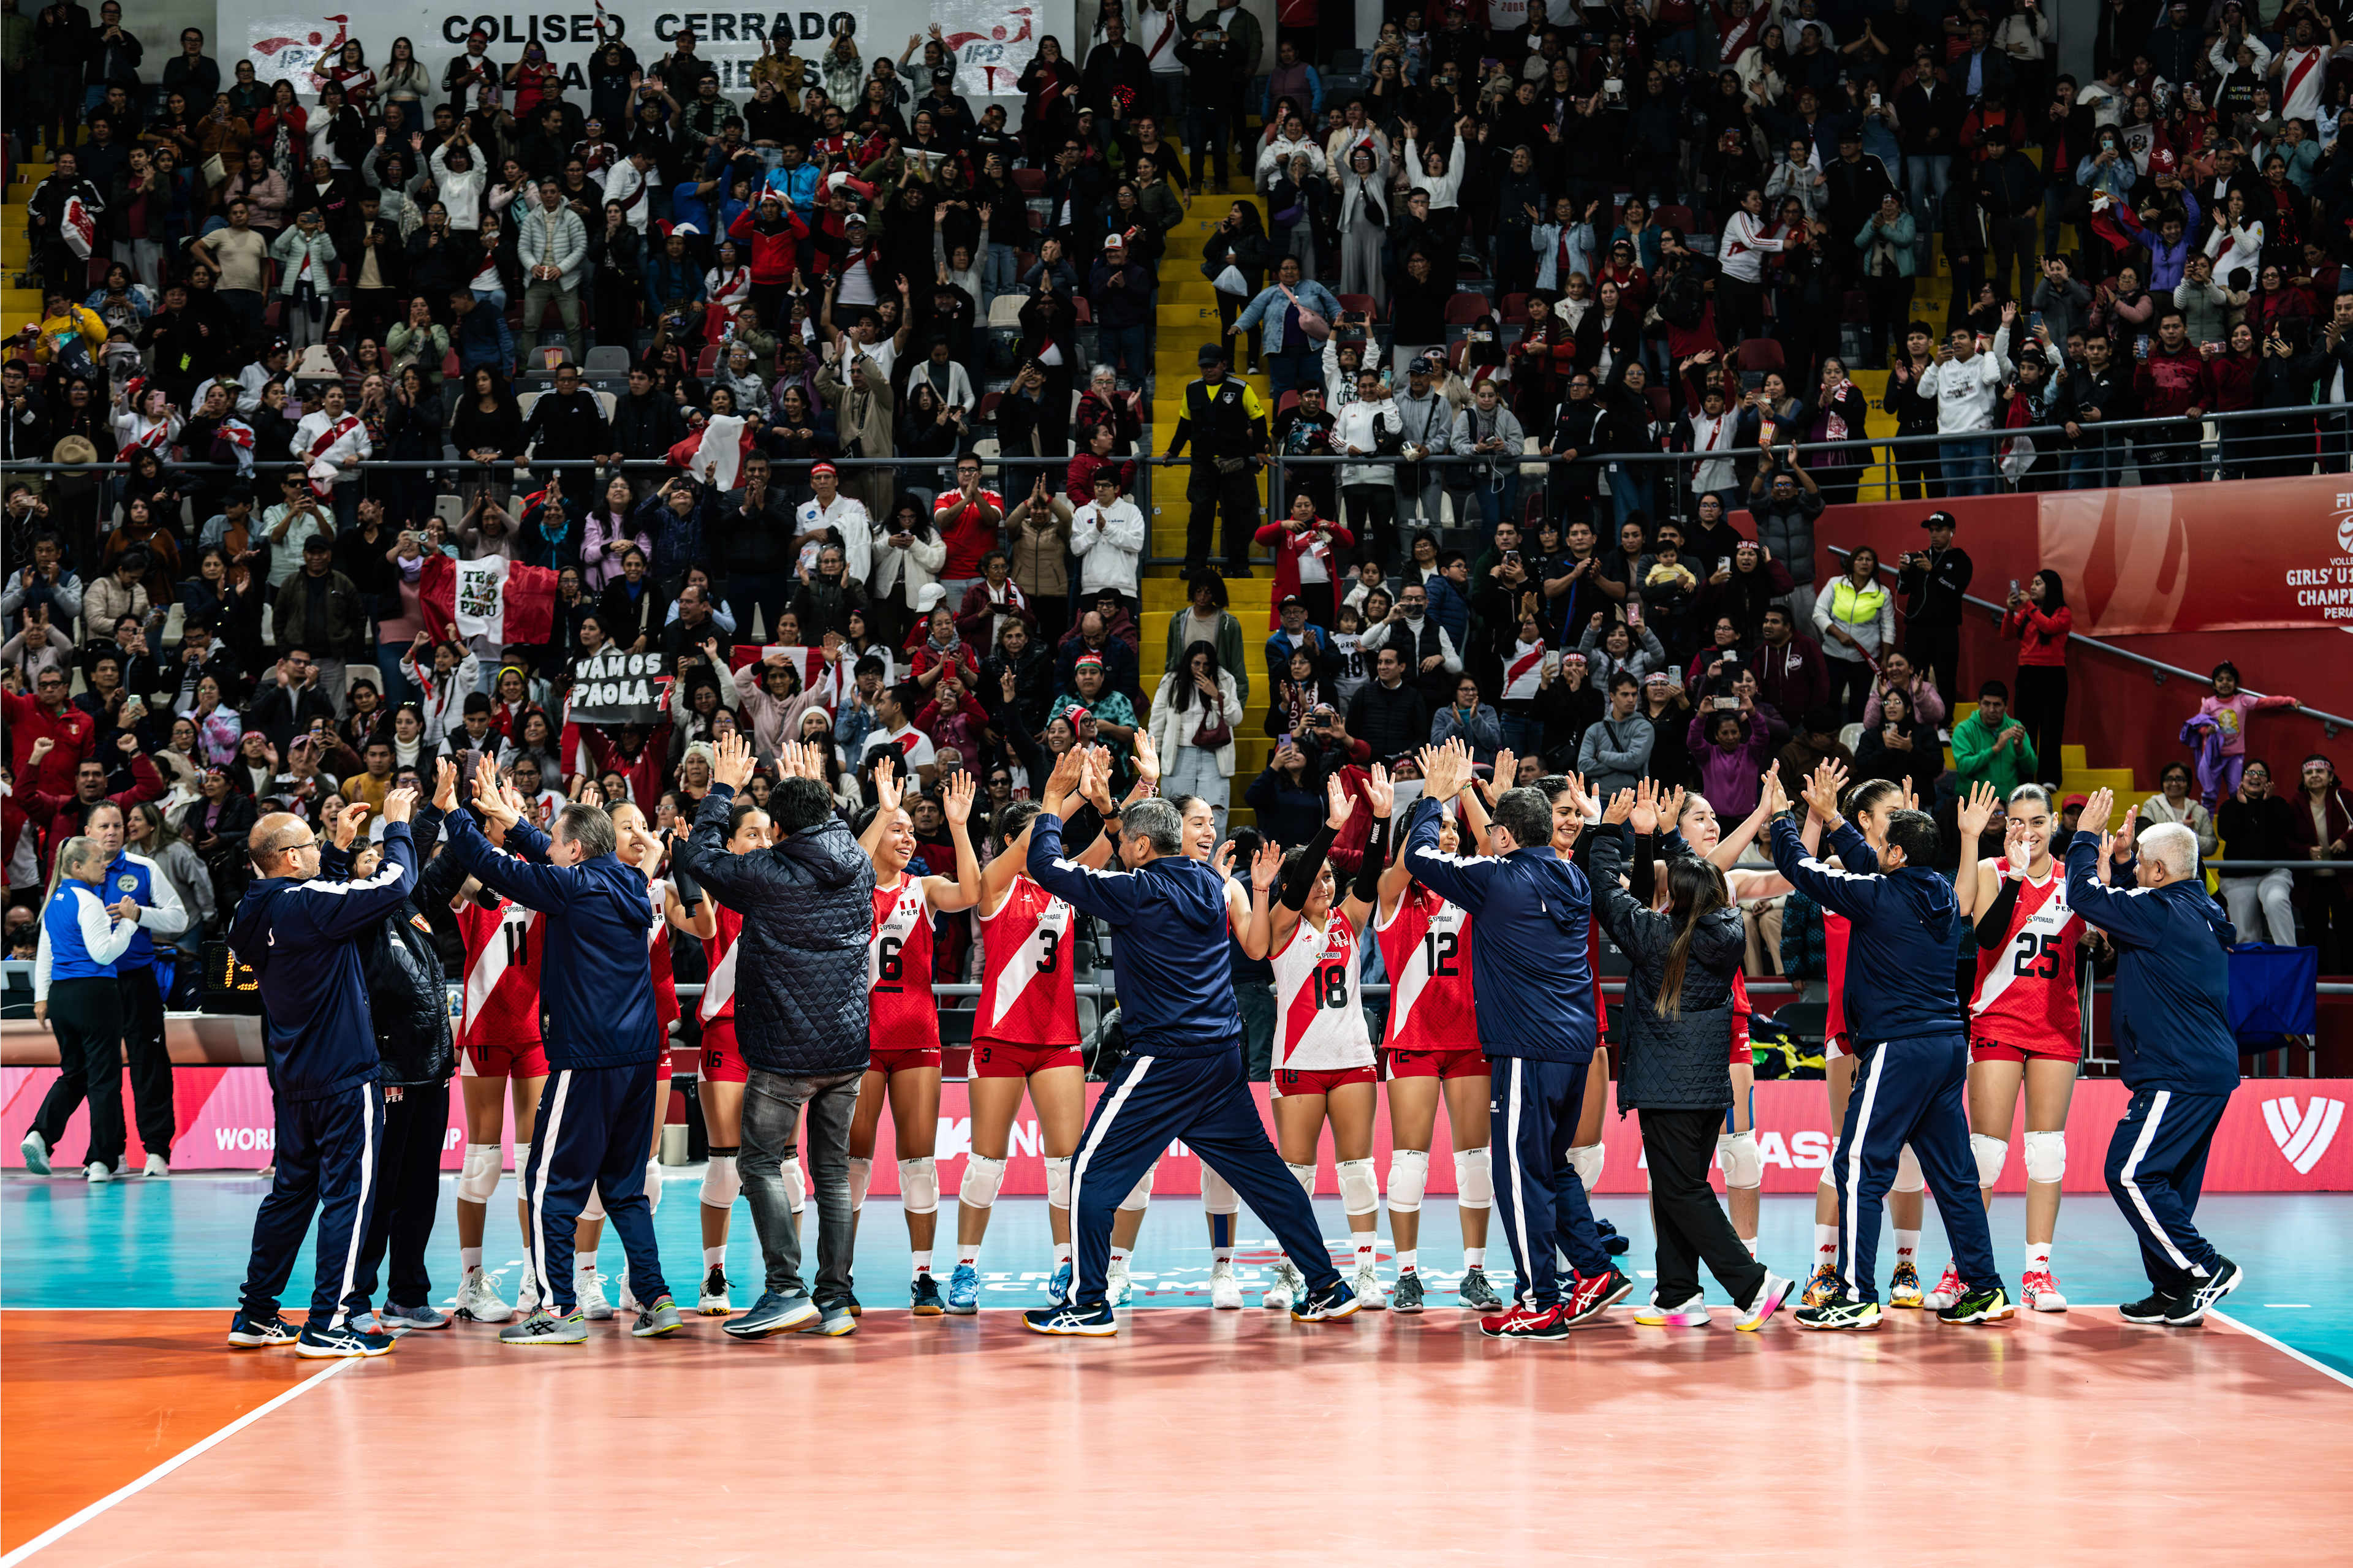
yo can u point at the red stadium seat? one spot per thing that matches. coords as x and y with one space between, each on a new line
1080 311
1674 216
1663 403
1360 304
1464 310
1288 400
706 362
987 411
1758 354
1029 182
1515 309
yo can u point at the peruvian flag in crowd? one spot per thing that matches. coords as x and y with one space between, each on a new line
506 602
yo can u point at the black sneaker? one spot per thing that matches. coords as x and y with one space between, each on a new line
1840 1312
2153 1309
925 1300
1989 1305
1085 1323
1335 1300
2191 1309
1476 1291
1407 1295
850 1304
249 1332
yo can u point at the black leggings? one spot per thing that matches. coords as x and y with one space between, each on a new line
2042 709
1691 1225
87 1017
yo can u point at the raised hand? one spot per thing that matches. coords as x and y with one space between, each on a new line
1380 789
1977 810
1622 807
2126 831
1671 809
399 805
887 788
348 821
1506 769
732 767
1776 797
1148 758
1339 803
1063 781
445 786
956 802
2096 813
1223 861
1266 865
1643 811
1094 778
1822 792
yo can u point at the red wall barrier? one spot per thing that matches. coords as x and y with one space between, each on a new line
2284 1135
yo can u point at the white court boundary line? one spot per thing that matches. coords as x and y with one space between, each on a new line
2250 1331
50 1536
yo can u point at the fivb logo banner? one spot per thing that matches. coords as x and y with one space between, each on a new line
2303 1136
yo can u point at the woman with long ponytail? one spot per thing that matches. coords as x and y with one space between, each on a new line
1678 1027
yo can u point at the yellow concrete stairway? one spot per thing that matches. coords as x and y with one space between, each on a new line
20 305
1187 319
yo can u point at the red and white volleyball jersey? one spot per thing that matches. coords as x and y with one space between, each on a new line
1834 935
719 988
1426 948
2027 994
901 1014
1320 995
1025 991
1523 672
666 1008
500 1006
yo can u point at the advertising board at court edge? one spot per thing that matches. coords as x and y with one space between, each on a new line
991 42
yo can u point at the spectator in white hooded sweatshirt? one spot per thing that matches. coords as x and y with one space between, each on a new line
1967 382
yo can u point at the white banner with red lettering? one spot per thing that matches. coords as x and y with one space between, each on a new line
2280 1135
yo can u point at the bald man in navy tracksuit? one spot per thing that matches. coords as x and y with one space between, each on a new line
1531 916
297 930
605 1045
1183 1075
1912 1059
2174 1051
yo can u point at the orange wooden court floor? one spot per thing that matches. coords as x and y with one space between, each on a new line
1190 1437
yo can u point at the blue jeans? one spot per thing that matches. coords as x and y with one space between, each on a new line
495 300
1291 369
1970 468
1129 348
1522 734
1497 502
1926 175
999 273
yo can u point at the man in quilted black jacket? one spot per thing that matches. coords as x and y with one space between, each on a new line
808 905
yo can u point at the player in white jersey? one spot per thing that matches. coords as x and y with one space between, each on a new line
720 1071
1322 1051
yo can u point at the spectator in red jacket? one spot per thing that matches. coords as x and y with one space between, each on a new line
1305 537
48 715
60 817
1790 674
2170 384
771 235
2038 616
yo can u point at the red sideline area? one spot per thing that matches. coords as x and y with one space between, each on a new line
2280 1135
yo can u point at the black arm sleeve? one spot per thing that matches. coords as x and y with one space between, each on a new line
1295 884
1643 875
1367 888
1993 926
689 891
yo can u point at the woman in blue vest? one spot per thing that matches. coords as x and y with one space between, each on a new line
74 990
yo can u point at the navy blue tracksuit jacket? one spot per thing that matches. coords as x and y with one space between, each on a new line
603 1047
302 940
1183 1076
1532 918
2176 1053
1912 1054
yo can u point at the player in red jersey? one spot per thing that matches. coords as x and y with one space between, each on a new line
2026 1017
1868 807
718 1069
499 1058
1433 1050
1026 1031
1322 1051
903 1017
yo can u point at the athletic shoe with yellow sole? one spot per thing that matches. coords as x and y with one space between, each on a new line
1823 1286
1904 1290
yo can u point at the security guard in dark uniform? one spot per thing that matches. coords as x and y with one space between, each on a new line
1226 426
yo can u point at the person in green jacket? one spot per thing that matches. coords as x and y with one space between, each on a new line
1208 620
1992 747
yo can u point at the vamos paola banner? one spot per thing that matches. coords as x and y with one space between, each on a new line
2280 1135
991 43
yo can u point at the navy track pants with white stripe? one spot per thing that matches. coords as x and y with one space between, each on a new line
2157 1163
1909 1092
1205 1101
1540 1200
595 1128
326 1155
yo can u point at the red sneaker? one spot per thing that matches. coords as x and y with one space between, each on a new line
1595 1295
1525 1322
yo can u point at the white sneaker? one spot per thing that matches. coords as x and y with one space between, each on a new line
627 1303
713 1301
1288 1286
1225 1290
1950 1289
526 1298
99 1171
1366 1283
477 1300
1118 1289
653 1187
37 1154
588 1291
156 1166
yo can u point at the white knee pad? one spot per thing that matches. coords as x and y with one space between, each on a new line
1408 1175
1907 1172
1360 1186
1743 1165
862 1172
1058 1181
653 1187
594 1207
1139 1197
1217 1195
1304 1176
477 1179
1474 1179
918 1185
2046 1156
1586 1160
1828 1182
796 1183
982 1177
721 1180
1990 1152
